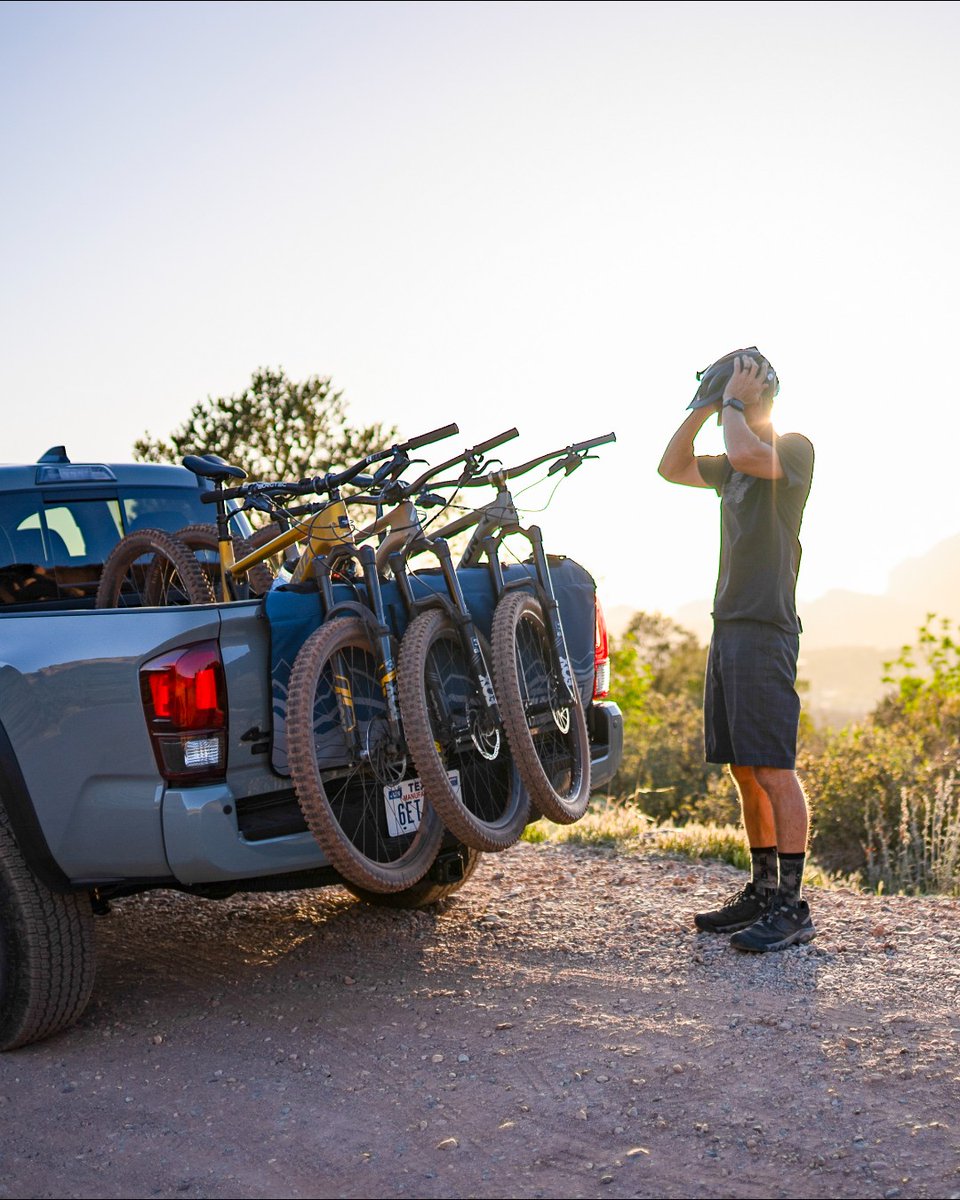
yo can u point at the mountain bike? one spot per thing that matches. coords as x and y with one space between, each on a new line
535 697
153 567
347 744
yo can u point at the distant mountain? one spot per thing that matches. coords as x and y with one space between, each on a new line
847 635
921 585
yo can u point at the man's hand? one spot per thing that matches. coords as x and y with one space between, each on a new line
747 381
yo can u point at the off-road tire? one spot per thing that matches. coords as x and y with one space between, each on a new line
47 953
554 765
156 542
330 798
424 893
491 811
204 537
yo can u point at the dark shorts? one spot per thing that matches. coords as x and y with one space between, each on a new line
751 709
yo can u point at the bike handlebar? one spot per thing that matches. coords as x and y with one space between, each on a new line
494 442
560 458
332 480
473 453
435 435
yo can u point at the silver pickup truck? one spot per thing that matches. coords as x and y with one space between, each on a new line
93 806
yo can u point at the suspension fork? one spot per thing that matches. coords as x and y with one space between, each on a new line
468 632
381 635
341 679
383 640
456 608
551 610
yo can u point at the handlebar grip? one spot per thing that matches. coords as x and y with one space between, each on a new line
591 442
435 435
494 442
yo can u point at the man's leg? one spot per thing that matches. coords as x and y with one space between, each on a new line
788 807
758 821
758 815
747 905
792 821
787 921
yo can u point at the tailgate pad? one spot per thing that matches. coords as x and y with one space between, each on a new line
294 612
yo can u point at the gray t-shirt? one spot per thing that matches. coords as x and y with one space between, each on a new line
759 535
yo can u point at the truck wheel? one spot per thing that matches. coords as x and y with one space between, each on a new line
125 576
423 893
47 958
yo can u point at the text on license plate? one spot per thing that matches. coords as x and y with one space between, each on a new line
404 804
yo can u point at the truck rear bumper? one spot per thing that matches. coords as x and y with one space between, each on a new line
605 726
204 844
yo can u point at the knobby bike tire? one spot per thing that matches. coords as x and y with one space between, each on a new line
204 538
341 776
47 951
423 893
554 763
441 720
172 558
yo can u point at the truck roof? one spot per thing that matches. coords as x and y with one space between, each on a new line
54 469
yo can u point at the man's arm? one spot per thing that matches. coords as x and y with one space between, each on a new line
679 463
748 453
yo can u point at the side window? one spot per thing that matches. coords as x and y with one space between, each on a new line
73 533
62 521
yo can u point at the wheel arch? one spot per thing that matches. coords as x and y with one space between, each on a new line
18 805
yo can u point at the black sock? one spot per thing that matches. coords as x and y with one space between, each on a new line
791 876
764 859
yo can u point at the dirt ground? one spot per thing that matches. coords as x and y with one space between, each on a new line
557 1029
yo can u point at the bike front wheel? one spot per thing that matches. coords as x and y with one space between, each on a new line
350 775
548 736
462 758
151 567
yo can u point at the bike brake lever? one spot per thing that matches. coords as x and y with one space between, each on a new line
430 500
568 463
260 503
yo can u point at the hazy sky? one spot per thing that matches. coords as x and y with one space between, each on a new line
542 214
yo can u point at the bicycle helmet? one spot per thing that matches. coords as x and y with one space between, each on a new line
714 379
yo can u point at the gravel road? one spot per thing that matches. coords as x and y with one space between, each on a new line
557 1029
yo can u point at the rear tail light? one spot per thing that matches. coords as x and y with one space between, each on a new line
185 701
601 657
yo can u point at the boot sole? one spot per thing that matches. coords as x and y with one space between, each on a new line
800 938
734 928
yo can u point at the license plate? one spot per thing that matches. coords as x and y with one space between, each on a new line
404 804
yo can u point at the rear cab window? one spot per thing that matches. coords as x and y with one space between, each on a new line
53 540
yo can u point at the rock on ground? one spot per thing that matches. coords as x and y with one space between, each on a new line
557 1029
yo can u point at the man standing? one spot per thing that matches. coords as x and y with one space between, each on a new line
751 708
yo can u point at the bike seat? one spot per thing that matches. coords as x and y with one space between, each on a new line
211 466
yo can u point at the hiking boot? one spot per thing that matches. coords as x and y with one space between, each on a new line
739 911
782 925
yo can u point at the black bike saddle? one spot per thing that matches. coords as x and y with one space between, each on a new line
211 466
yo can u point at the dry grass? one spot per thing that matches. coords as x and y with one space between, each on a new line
618 824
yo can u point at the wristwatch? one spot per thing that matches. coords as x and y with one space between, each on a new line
733 402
